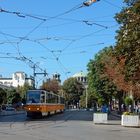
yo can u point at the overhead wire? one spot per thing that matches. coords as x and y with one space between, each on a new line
72 21
21 58
74 40
12 44
19 14
112 4
56 58
59 15
24 15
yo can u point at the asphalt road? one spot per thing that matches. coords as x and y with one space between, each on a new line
71 125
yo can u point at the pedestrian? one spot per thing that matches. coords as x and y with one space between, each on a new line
136 109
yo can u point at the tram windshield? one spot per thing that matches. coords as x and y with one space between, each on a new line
33 97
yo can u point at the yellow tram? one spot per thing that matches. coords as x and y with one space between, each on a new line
43 103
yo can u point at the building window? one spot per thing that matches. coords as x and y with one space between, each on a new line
22 76
81 79
78 78
5 83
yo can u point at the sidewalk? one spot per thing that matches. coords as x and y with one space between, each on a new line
8 113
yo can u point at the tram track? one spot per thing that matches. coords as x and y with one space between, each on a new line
31 124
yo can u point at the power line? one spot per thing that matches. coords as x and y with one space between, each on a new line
24 15
21 58
19 14
93 23
56 58
112 4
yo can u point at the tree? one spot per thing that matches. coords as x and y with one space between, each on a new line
2 96
23 89
116 70
16 98
128 101
98 82
128 44
10 95
51 85
72 90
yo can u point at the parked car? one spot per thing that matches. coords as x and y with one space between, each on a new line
10 108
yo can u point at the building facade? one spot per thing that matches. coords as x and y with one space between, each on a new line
18 79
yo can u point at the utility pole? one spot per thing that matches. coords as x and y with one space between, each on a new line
37 73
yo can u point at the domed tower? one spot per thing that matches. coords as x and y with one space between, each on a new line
56 76
81 77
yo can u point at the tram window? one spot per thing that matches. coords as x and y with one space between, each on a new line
49 98
61 100
33 97
53 99
57 99
42 98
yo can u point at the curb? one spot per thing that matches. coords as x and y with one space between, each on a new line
108 123
10 113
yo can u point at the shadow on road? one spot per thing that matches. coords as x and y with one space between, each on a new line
69 115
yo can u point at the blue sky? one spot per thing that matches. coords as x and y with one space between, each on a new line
43 32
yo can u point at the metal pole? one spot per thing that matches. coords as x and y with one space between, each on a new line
34 76
86 97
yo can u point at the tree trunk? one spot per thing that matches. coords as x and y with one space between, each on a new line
120 98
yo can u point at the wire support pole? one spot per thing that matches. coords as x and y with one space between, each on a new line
37 73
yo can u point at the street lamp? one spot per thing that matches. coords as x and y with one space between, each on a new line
89 2
86 86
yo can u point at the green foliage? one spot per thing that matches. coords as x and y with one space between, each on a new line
16 98
101 101
13 97
72 90
124 73
128 40
10 95
128 101
92 99
130 2
83 101
129 113
2 96
99 83
51 85
23 89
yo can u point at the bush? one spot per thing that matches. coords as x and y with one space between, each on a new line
128 113
128 101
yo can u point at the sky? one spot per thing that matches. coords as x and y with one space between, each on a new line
58 36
